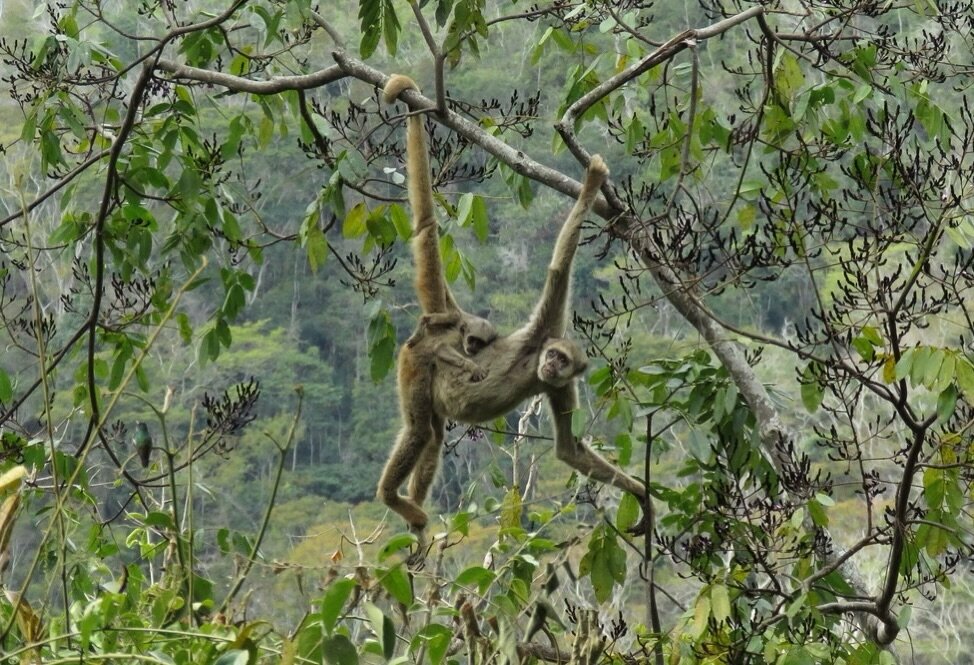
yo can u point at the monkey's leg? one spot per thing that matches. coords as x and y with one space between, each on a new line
412 440
429 461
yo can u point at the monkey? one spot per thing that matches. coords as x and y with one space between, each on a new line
472 334
435 343
560 361
534 359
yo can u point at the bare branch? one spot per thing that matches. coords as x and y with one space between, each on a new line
240 84
68 177
670 48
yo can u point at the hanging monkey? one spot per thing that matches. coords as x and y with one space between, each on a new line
436 343
534 359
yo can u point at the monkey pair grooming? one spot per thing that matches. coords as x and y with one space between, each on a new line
534 359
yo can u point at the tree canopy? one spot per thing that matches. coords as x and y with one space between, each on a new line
205 204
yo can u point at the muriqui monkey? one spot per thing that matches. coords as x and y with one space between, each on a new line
436 343
533 359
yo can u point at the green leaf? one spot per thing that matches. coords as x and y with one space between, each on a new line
339 650
382 344
354 225
701 615
623 444
437 638
628 512
481 225
395 544
476 575
233 657
965 378
398 584
6 388
811 389
381 228
464 209
604 563
378 19
384 628
798 656
333 601
946 403
817 513
720 602
400 220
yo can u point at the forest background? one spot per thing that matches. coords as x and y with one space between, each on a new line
204 229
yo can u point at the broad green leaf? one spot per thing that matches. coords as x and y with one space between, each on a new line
333 601
701 615
397 583
811 389
628 512
798 656
354 225
604 563
339 650
946 403
233 657
464 209
437 638
476 575
395 544
383 627
6 388
904 365
400 220
965 378
481 224
720 602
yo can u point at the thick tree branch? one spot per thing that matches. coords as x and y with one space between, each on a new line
241 84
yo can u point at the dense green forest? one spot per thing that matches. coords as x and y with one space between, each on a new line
206 275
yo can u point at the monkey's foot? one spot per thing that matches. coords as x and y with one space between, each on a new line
417 559
642 527
597 165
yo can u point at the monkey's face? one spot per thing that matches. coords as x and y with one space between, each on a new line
560 362
476 334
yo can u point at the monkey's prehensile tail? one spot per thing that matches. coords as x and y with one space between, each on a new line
433 296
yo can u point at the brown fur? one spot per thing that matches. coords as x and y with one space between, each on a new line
436 342
514 363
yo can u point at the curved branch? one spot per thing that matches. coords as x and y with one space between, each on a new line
241 84
68 177
670 48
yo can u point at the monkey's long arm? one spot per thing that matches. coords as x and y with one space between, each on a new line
550 316
575 453
446 353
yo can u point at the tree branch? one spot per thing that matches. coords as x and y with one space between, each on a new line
241 84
